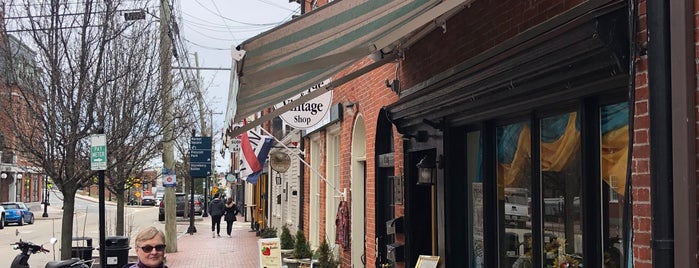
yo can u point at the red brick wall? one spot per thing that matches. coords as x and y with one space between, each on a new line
472 31
641 156
371 94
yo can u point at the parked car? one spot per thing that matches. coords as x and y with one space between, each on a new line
148 201
17 212
198 204
517 207
180 201
2 217
159 197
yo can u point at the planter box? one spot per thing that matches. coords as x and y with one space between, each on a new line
296 263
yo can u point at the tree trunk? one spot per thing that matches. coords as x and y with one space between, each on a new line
67 226
120 214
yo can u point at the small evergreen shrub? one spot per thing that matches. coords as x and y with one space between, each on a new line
268 232
302 250
286 240
326 258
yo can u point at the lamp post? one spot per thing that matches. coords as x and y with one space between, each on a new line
46 196
206 198
2 183
19 184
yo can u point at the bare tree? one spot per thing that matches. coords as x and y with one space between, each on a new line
131 108
92 78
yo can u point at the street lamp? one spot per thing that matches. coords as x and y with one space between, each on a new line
19 184
2 183
46 196
206 198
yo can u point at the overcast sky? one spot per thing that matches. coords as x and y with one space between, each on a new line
211 27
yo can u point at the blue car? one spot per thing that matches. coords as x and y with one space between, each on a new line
17 212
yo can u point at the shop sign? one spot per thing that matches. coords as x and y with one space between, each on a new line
309 113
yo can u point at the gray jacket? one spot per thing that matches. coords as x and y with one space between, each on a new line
216 207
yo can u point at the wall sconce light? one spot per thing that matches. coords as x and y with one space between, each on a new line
351 107
278 179
427 171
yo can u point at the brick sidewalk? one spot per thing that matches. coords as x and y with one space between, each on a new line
201 250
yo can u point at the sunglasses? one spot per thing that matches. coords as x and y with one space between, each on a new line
149 248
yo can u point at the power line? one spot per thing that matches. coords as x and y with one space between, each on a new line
69 14
203 46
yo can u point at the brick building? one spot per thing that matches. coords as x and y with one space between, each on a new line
519 133
20 179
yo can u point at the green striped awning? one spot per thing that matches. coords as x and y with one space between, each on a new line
280 63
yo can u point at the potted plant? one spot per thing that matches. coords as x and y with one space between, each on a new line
326 258
302 250
286 241
268 232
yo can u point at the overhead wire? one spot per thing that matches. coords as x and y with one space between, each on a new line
224 21
236 21
203 46
189 75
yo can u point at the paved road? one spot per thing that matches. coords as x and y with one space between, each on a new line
197 250
86 224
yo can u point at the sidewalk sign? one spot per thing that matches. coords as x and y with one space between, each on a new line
426 261
270 252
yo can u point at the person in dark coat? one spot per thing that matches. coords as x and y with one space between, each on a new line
231 212
216 210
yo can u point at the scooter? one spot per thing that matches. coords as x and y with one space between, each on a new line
27 248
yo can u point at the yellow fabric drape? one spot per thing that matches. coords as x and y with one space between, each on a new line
509 172
615 148
558 155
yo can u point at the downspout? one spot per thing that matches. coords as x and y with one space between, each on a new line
659 110
684 134
302 174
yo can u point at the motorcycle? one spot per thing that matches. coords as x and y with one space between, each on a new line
27 248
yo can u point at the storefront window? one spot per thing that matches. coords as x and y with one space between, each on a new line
475 184
514 191
562 190
614 129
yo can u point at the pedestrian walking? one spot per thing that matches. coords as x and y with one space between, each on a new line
150 248
231 212
216 210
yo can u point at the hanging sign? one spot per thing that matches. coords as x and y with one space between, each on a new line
311 112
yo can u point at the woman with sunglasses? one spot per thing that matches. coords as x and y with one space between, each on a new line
150 248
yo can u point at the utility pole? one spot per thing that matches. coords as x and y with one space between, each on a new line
168 124
202 124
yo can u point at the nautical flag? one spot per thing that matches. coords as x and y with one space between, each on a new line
254 149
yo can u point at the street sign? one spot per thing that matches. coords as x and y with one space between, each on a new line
98 152
169 177
200 157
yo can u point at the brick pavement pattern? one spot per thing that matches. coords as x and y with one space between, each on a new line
201 250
